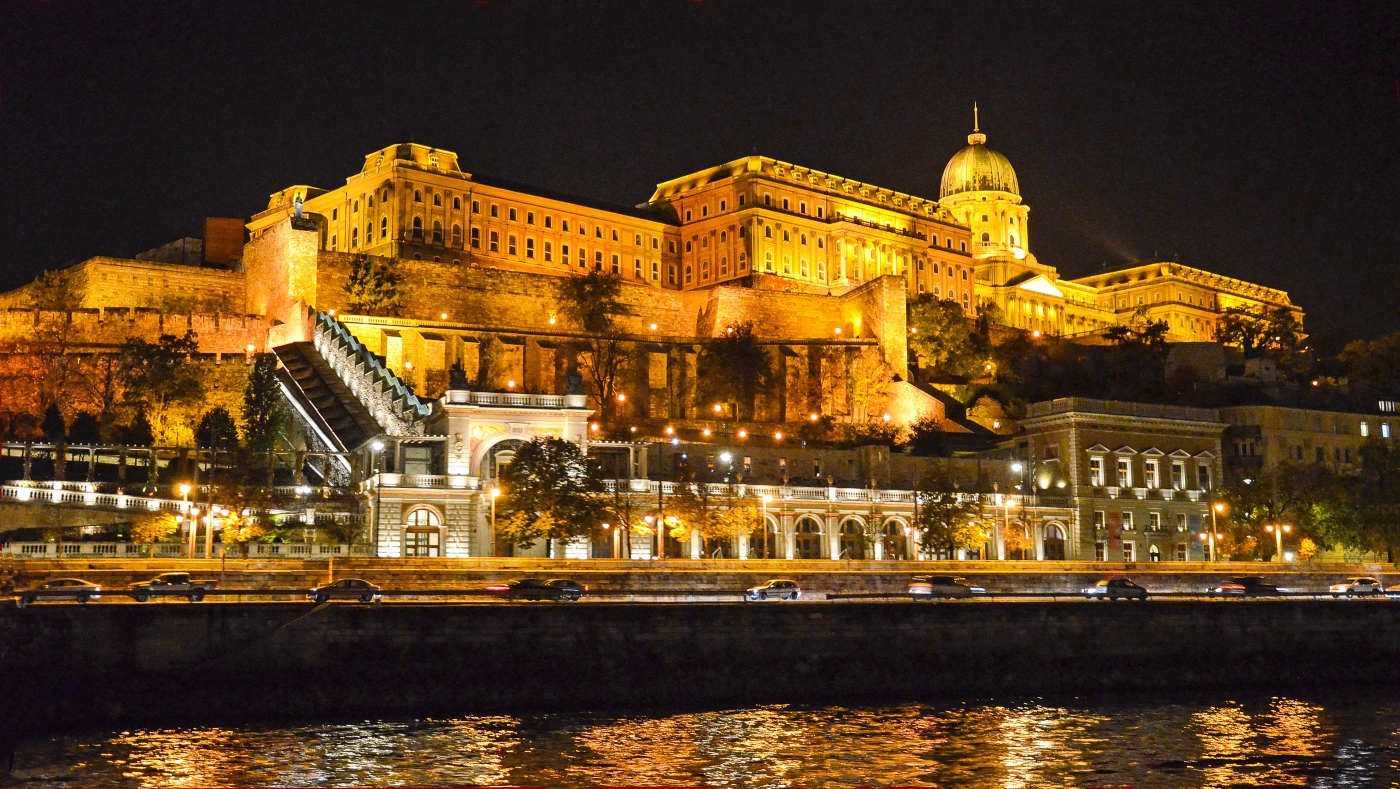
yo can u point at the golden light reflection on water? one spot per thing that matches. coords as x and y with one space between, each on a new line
1283 742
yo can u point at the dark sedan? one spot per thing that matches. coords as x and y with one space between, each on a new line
74 589
1115 589
1246 586
347 589
535 589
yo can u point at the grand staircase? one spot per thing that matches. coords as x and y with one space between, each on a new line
344 391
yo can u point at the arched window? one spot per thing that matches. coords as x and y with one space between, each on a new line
787 236
386 195
986 237
808 533
787 264
437 199
422 533
495 241
417 195
723 236
456 235
354 237
852 540
383 227
437 232
688 274
723 266
896 542
417 228
767 261
767 232
456 204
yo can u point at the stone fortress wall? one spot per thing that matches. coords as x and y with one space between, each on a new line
102 330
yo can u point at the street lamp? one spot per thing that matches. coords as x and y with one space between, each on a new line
1216 509
1278 531
189 536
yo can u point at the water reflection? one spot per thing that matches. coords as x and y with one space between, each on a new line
1273 742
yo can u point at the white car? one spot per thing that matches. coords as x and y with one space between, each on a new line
1361 584
778 589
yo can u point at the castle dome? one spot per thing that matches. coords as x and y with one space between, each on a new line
978 168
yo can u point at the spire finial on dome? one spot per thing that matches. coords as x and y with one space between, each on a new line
976 137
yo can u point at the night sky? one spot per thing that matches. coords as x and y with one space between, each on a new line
1257 141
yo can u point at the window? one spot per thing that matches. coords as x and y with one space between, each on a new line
742 233
598 231
598 260
819 212
355 207
1129 551
437 232
767 261
687 215
723 266
1203 477
511 215
671 273
671 247
354 237
495 241
616 265
687 274
704 210
418 228
335 213
1100 552
785 204
722 205
655 242
476 206
743 261
767 231
437 199
332 247
564 225
1181 552
383 227
510 244
1365 429
704 269
386 195
705 242
495 211
614 234
456 235
802 207
1095 471
768 199
456 204
1178 475
637 268
656 271
1181 521
787 264
1154 521
529 217
636 239
582 258
417 195
529 247
548 221
741 200
1098 520
803 239
821 274
1149 474
821 243
548 251
802 268
687 246
476 238
1127 521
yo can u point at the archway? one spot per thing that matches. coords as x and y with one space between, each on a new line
719 548
852 540
809 538
896 541
763 542
1054 542
499 455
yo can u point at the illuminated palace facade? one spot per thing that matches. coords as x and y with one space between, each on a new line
756 219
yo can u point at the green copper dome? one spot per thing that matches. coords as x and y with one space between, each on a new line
978 168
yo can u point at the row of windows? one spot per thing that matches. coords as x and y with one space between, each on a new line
512 215
1151 474
1154 521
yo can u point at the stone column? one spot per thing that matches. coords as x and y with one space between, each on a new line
832 535
788 539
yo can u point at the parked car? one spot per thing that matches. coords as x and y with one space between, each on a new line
777 589
75 589
535 589
1361 584
172 585
1115 589
931 586
1245 586
347 589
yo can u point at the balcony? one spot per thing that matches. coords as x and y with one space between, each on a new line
513 399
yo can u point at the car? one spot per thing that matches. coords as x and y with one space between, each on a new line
534 589
347 589
1357 585
172 585
776 589
1245 586
1115 589
930 586
75 589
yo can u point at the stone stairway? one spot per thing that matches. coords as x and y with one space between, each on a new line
392 405
323 398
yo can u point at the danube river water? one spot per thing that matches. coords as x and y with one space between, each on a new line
1353 742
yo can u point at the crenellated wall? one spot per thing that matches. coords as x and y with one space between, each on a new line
104 329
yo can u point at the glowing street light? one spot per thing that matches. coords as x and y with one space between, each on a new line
1278 531
1216 509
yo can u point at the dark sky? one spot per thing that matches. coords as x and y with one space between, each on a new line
1254 140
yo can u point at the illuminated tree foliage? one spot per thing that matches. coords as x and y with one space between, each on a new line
374 287
947 520
731 369
547 493
593 303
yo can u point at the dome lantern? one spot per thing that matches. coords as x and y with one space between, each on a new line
978 168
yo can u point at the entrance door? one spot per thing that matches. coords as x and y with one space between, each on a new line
422 534
1054 542
809 539
852 541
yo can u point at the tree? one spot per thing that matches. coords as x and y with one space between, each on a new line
153 527
868 380
593 302
488 372
85 429
160 375
947 520
944 339
139 432
374 287
55 291
240 531
1375 362
731 368
1377 497
927 437
216 430
55 429
264 414
548 493
1266 331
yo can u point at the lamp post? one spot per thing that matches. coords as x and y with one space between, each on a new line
764 516
375 449
1278 531
1215 509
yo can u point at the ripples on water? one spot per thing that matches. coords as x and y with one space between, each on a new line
1276 742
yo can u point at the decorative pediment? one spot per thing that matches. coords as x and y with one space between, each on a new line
1206 455
1043 285
1153 452
1098 449
1125 451
1181 453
